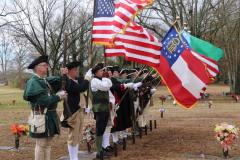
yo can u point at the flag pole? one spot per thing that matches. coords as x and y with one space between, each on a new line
105 58
90 54
64 77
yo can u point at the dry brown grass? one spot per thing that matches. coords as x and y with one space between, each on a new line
182 134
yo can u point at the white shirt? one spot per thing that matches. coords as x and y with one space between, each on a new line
103 85
111 98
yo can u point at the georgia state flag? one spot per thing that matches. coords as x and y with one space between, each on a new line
184 74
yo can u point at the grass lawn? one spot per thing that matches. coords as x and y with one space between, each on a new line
181 135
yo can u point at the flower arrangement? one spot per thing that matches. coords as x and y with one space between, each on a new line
89 135
226 134
19 130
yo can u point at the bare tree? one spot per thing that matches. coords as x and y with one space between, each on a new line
81 39
43 24
229 37
21 58
198 14
5 13
5 54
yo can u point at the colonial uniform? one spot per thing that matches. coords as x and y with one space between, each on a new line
112 111
100 101
118 89
75 118
126 107
106 136
143 101
40 93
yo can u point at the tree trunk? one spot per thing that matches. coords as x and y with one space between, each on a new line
235 82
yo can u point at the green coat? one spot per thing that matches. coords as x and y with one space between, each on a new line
37 92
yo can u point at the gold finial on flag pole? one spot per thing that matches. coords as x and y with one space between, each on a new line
177 18
185 27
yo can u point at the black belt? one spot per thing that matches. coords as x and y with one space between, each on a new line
40 110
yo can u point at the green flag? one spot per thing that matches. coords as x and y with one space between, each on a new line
203 47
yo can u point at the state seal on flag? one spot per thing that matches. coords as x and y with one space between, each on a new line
172 45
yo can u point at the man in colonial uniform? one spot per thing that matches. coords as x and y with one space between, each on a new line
124 113
106 136
73 113
100 88
39 91
117 90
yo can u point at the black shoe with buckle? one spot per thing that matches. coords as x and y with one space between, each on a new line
120 142
102 155
108 149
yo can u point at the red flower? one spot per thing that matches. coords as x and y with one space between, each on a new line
17 129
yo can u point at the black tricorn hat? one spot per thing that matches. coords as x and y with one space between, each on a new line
97 67
41 59
73 64
116 68
101 64
109 68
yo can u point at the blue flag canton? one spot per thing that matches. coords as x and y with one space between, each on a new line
173 46
104 8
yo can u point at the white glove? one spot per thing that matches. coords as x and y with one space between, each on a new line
87 110
128 85
153 90
174 102
88 75
136 85
61 94
116 107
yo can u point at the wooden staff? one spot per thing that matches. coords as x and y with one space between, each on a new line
64 77
105 58
90 54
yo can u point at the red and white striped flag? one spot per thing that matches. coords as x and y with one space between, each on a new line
102 32
137 45
204 51
113 16
125 12
211 65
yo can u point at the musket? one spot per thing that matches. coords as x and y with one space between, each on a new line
124 95
64 77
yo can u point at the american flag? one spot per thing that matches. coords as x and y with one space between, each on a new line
102 32
125 12
184 74
136 44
